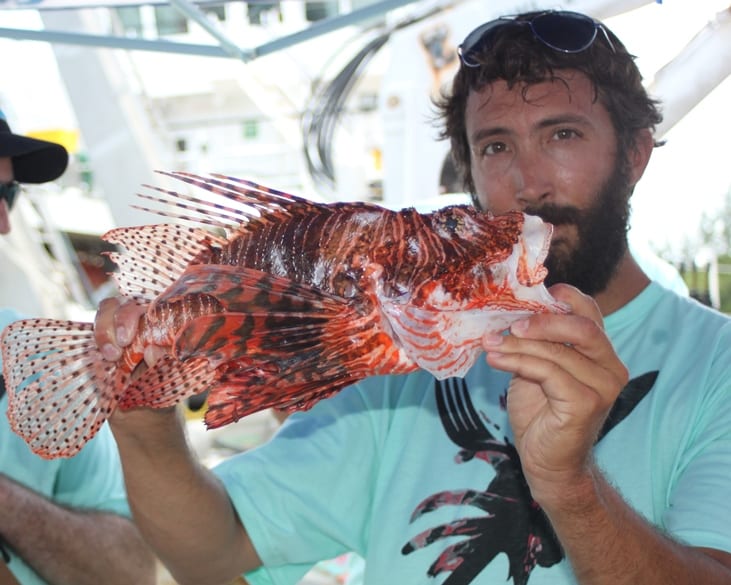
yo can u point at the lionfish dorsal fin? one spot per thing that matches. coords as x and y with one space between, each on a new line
222 202
155 256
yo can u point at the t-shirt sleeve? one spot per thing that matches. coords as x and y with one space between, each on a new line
93 478
305 496
699 511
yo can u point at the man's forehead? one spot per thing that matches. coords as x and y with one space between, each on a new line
571 89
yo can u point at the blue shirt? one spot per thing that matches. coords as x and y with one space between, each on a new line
421 477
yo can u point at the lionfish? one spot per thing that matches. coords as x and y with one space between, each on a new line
271 300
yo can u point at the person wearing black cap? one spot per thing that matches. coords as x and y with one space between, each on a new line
25 160
62 522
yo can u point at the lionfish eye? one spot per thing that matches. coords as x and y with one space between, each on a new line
452 223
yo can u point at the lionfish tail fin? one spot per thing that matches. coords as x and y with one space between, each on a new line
60 390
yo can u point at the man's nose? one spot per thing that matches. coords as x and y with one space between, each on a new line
531 179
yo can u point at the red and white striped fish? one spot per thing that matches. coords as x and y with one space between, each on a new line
286 302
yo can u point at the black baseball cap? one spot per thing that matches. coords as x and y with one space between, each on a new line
34 160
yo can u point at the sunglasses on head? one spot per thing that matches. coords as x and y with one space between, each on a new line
564 31
8 191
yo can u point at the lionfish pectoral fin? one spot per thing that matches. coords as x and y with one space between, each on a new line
266 315
261 335
60 390
279 344
259 387
167 383
293 369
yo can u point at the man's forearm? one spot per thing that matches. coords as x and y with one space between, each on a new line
608 543
72 547
182 510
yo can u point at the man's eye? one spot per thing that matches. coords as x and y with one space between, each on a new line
494 148
565 134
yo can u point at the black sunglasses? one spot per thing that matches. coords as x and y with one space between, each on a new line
564 31
8 191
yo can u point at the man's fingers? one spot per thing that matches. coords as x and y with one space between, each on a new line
115 325
547 347
126 319
581 304
104 328
572 330
562 372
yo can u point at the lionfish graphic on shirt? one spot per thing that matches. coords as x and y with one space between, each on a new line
514 523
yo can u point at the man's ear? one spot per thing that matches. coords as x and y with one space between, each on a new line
640 155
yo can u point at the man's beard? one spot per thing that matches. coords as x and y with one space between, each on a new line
602 235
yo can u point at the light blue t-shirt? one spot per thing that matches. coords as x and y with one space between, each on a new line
421 477
92 479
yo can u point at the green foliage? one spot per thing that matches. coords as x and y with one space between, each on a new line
698 279
724 282
715 233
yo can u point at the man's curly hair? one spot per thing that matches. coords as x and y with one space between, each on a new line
515 56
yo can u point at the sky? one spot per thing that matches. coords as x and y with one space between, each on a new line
688 176
691 173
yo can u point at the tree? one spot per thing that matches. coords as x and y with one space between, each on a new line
715 229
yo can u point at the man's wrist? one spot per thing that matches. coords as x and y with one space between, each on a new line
576 494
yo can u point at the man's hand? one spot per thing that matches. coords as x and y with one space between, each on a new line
566 377
115 326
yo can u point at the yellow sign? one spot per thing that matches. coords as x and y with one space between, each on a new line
69 139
